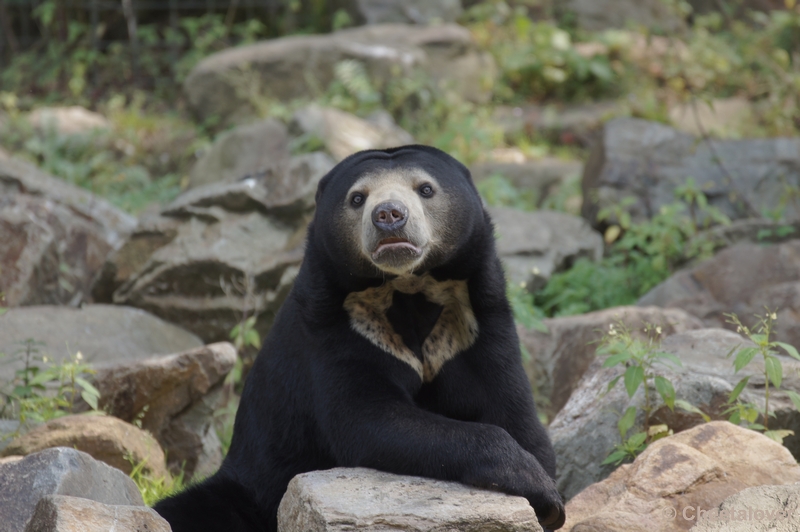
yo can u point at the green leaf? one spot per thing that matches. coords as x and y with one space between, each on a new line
636 441
795 397
615 458
685 405
790 349
634 377
613 360
744 357
738 390
90 399
86 385
735 418
774 370
666 391
778 435
626 421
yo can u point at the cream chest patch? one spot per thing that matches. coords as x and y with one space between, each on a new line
455 330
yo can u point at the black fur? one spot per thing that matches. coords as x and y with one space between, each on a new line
321 396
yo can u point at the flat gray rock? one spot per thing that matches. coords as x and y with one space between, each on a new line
59 471
535 245
364 499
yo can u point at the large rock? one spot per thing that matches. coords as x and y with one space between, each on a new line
406 11
364 499
216 252
68 120
54 237
605 14
243 152
560 356
743 279
698 468
101 333
60 513
105 438
345 134
648 161
535 245
301 66
59 471
585 431
174 397
758 509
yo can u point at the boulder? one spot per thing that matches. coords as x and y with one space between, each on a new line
535 245
59 471
301 66
68 120
758 509
203 270
195 264
105 438
743 279
60 513
585 430
698 468
560 356
174 397
54 237
597 15
242 152
103 334
648 161
344 134
363 499
406 11
565 124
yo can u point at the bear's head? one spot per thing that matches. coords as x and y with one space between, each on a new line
399 211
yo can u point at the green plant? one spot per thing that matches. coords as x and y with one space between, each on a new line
40 393
539 60
498 191
640 359
640 255
760 334
153 489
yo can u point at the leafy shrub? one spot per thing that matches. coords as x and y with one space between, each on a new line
538 59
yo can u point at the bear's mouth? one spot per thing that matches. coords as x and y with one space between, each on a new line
393 245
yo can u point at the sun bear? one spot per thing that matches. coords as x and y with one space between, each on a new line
395 350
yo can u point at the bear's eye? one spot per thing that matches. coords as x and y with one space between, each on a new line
426 190
357 199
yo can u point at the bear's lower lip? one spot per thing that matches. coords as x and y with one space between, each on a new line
395 244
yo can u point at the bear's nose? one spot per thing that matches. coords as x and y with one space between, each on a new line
389 215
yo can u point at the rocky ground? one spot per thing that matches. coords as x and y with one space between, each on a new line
139 314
